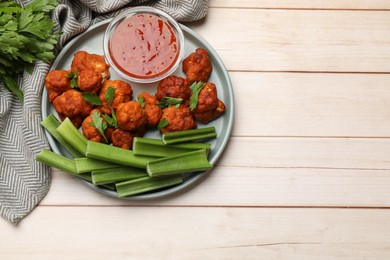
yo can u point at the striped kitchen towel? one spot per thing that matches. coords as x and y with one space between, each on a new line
23 181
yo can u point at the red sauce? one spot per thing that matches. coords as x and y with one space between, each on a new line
144 46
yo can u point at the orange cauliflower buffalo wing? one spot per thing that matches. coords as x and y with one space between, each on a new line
174 86
131 116
85 61
209 106
178 119
153 111
71 104
123 92
92 133
124 139
197 66
89 81
57 82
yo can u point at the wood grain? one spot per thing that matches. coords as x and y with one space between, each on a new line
299 40
311 104
304 4
249 187
193 233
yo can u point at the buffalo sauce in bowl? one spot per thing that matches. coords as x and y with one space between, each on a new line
144 44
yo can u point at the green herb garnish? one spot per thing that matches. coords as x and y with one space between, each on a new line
99 124
163 123
169 101
92 98
111 120
109 95
25 36
141 100
195 87
73 78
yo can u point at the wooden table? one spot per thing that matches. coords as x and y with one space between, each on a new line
306 173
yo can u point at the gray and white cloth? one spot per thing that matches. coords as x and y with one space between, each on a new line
24 182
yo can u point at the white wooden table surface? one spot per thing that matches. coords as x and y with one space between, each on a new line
306 174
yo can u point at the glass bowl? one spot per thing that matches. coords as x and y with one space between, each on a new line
143 44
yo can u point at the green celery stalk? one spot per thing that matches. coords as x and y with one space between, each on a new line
189 135
145 184
186 162
72 135
114 154
110 186
155 147
87 177
57 161
84 165
64 163
50 123
107 176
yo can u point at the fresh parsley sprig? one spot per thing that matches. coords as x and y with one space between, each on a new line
25 37
169 101
72 76
97 120
163 123
99 124
92 98
195 87
109 96
111 120
141 101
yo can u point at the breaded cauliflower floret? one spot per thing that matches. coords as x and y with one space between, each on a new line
178 119
174 86
89 81
153 111
57 82
123 92
85 61
124 139
209 107
71 104
92 133
197 66
131 116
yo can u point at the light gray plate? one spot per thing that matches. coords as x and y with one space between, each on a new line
92 42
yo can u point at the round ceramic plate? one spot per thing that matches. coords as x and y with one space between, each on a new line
92 42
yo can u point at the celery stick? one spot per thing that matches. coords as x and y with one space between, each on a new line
106 176
192 146
72 135
88 165
63 163
57 161
87 177
185 162
155 147
114 154
145 184
189 135
110 186
51 123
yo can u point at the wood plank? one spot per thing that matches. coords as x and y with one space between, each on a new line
342 160
337 153
197 233
347 41
302 4
311 104
233 186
